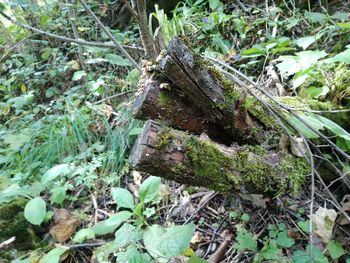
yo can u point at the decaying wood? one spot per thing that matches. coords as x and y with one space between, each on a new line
188 159
162 101
187 93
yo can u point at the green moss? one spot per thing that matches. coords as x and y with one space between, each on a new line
13 223
209 163
289 173
259 112
248 167
231 94
164 138
164 99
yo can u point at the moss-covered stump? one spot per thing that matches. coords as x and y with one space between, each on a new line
13 224
188 159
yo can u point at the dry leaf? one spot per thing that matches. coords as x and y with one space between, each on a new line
65 225
136 177
324 220
256 199
298 147
60 214
197 238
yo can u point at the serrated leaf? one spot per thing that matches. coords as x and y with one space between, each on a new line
83 235
35 211
283 240
245 240
335 249
315 17
54 172
123 198
149 189
167 242
127 234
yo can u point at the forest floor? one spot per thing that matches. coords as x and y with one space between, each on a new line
67 191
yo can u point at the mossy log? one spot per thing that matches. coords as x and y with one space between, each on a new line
198 98
185 92
189 159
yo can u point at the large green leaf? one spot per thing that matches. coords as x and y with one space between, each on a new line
167 242
109 225
149 189
54 172
123 198
35 211
343 57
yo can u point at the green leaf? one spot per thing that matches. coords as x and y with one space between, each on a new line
301 127
196 259
46 54
305 42
58 195
44 19
309 58
301 256
167 242
111 224
135 131
16 141
54 255
289 65
10 192
245 218
149 189
83 235
283 240
315 17
333 127
340 16
316 92
123 198
304 225
343 57
117 60
335 249
253 52
54 172
215 4
127 234
245 240
132 255
35 211
270 251
78 75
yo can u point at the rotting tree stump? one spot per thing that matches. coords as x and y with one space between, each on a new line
185 92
